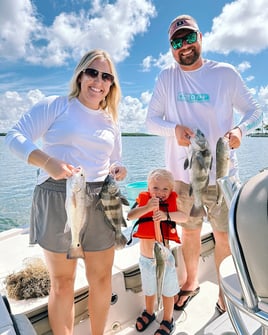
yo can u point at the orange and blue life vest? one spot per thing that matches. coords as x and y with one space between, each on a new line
146 224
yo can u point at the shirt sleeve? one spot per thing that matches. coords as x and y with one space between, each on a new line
245 104
116 156
155 119
32 125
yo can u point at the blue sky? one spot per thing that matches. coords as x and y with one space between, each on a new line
42 40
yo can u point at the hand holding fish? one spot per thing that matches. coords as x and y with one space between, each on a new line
159 215
119 172
235 137
153 204
58 169
183 135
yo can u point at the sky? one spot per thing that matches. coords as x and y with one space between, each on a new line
41 41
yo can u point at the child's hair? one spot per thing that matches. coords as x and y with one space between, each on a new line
161 174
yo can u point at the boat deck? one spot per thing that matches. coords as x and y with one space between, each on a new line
200 316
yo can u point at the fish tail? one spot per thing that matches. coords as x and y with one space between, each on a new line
67 227
120 241
75 252
198 211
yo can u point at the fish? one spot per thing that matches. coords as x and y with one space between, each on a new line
222 164
160 254
75 205
199 163
110 201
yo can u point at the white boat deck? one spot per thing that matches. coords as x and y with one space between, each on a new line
200 316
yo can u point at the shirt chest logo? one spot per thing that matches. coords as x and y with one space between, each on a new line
193 97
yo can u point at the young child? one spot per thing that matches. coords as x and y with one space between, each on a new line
157 215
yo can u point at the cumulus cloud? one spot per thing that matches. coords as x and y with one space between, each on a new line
241 27
112 27
133 113
13 105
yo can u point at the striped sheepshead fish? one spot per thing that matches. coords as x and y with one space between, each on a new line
111 201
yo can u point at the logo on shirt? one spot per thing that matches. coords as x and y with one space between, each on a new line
192 97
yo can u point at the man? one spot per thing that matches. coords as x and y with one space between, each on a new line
196 93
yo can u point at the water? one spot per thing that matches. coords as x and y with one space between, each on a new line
140 155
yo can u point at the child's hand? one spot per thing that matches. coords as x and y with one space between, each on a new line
153 204
159 215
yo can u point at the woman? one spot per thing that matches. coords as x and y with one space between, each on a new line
79 130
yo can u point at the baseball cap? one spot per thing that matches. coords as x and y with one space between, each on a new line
182 22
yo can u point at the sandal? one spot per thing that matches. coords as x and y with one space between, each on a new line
144 325
169 325
189 294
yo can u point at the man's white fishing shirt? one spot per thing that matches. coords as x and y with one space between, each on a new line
206 98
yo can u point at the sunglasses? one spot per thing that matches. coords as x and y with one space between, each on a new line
93 73
189 38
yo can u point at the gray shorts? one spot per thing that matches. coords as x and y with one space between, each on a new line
217 215
48 219
148 276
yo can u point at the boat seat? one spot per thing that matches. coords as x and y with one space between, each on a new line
13 324
244 274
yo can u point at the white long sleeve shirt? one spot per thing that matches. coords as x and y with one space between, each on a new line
71 132
206 99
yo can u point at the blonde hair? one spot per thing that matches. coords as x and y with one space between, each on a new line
161 174
112 99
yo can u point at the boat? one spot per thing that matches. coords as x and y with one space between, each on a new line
127 302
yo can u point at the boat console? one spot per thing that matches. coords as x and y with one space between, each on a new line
244 274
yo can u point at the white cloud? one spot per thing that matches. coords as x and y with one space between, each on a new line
113 28
133 113
242 67
241 27
13 105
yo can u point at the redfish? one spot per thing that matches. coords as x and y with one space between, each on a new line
75 205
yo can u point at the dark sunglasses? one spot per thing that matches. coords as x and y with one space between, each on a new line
93 73
189 38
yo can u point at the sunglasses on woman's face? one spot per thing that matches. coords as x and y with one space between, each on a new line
189 38
93 73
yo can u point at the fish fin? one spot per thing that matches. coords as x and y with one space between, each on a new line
198 211
186 163
124 224
99 205
75 252
190 190
124 200
211 161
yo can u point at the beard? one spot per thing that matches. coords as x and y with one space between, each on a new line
190 59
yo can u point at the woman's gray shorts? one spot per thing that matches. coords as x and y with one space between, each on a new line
48 219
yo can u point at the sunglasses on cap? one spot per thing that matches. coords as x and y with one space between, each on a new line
189 38
93 73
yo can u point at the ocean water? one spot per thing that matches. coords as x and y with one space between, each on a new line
140 155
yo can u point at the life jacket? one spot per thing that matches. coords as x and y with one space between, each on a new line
146 224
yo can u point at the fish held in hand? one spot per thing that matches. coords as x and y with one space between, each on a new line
161 254
199 163
222 164
75 205
111 201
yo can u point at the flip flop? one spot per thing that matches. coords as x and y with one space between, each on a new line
219 309
187 293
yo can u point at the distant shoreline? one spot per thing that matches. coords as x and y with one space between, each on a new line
145 134
123 134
